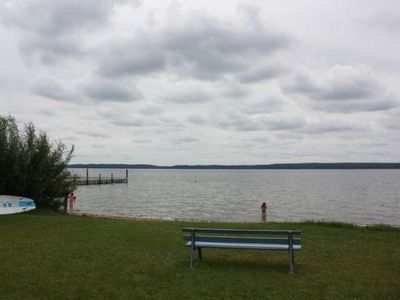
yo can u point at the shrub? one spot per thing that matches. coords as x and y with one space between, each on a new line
31 165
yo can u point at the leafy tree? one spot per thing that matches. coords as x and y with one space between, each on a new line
31 165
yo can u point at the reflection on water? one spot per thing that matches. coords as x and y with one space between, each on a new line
357 196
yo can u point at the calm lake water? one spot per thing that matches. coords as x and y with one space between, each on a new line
356 196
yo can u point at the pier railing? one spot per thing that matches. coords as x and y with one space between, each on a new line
100 179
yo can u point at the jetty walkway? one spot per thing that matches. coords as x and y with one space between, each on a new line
90 180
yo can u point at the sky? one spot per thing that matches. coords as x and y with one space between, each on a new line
206 82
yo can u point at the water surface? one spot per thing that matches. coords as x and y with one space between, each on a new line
356 196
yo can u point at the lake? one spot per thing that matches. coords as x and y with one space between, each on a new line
355 196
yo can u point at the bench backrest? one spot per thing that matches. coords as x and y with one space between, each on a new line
242 236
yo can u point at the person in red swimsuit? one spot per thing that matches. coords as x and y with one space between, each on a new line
263 211
71 201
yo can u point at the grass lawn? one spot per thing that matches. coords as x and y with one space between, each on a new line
52 256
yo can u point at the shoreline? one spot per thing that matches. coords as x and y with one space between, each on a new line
78 213
114 217
133 218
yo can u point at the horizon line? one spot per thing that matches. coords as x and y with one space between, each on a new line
312 165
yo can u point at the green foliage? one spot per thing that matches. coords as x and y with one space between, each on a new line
31 165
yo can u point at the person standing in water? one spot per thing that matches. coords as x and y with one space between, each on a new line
71 201
264 212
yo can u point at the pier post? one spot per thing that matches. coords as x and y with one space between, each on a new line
99 178
87 176
112 178
126 175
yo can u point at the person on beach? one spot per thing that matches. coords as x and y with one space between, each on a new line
71 201
263 211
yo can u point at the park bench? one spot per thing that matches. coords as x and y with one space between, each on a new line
198 238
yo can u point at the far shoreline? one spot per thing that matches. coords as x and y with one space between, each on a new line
290 166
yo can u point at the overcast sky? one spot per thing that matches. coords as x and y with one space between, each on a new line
206 82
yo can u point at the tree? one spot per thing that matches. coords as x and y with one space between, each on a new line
31 165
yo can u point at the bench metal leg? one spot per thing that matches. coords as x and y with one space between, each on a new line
193 261
291 262
199 253
291 253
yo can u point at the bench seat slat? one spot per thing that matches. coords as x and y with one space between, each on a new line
240 231
235 239
255 246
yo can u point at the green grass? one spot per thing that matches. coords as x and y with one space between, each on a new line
53 256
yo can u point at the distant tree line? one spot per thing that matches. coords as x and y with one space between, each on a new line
247 167
31 165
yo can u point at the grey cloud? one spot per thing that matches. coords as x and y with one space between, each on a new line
326 126
93 134
104 90
281 122
237 122
242 122
196 120
70 138
391 120
134 3
189 96
199 47
137 57
301 84
267 105
250 13
49 51
166 122
334 88
124 118
262 73
52 18
47 112
53 29
53 89
141 141
151 110
343 89
235 91
258 140
290 136
97 90
98 146
208 47
202 33
349 106
385 20
184 140
130 122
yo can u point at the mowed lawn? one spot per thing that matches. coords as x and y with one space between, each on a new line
52 256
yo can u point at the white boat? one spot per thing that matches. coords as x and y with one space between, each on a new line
15 204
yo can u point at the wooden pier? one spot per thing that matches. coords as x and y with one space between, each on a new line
86 180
